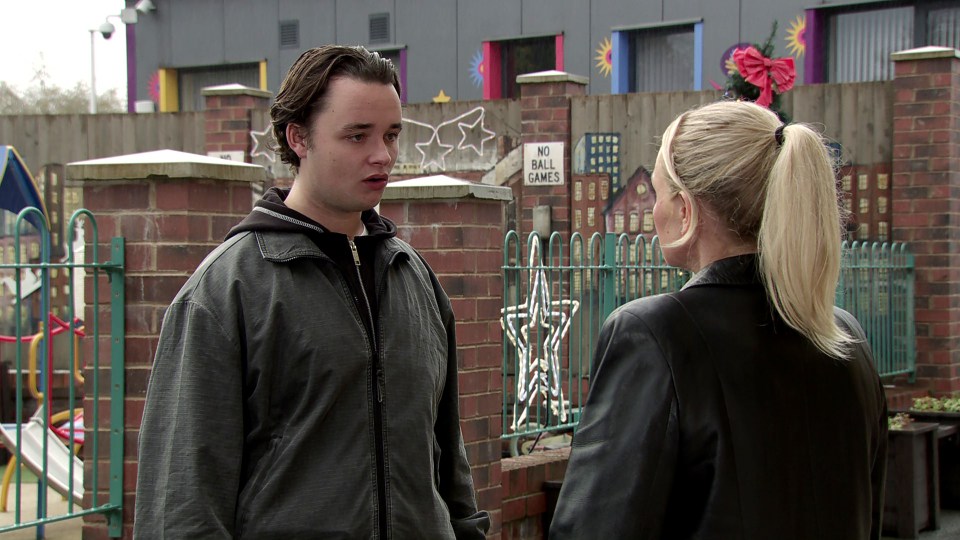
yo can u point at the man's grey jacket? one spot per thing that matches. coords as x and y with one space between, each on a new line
273 412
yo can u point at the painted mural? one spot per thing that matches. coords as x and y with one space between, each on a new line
476 69
604 57
797 36
153 86
598 153
625 206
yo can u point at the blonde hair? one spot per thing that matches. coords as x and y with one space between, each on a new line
782 196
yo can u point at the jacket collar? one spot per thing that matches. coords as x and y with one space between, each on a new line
739 270
278 246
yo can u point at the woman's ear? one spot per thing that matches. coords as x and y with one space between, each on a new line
297 140
686 212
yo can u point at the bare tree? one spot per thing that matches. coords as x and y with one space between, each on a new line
42 97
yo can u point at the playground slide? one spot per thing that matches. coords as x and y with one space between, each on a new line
58 456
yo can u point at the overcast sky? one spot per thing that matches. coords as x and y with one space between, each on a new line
55 32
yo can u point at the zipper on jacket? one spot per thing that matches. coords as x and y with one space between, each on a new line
378 406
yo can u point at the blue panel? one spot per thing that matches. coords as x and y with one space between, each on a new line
698 56
620 77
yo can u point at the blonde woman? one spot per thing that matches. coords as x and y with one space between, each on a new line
745 405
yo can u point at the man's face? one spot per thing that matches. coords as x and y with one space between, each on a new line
351 148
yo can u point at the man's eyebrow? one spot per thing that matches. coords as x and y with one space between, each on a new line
360 126
357 126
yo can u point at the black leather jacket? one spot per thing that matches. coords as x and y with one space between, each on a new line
708 417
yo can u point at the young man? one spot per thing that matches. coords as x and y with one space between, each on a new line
305 383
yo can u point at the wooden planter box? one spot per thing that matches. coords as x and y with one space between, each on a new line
912 494
949 449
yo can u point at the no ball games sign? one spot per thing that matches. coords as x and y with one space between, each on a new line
543 164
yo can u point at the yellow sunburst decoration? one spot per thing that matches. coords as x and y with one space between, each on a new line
604 57
797 36
730 65
441 97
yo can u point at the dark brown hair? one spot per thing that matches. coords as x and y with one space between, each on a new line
304 89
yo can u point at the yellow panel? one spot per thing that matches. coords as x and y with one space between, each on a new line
263 75
169 95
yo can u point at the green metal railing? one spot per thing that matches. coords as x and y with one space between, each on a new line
46 465
557 296
876 287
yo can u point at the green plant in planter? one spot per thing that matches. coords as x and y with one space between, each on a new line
899 421
932 404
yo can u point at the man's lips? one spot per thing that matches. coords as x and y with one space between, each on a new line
376 181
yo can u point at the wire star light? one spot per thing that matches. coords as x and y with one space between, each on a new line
540 377
433 151
263 143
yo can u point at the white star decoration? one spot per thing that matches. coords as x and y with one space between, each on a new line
484 136
263 143
434 151
435 157
538 378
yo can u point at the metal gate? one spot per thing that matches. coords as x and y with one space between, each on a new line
46 443
556 297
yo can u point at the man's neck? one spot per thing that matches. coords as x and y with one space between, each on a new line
349 224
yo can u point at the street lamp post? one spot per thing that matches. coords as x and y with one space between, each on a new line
93 76
127 16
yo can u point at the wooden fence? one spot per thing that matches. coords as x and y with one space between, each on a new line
858 116
470 135
47 139
444 137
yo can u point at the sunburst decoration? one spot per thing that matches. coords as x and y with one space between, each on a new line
727 64
797 36
604 57
154 86
476 69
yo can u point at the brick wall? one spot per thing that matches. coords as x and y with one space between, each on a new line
170 223
926 203
458 228
527 507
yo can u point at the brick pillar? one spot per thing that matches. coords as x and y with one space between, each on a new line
926 202
228 115
172 208
458 227
545 117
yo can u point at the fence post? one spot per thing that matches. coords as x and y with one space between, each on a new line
926 202
608 276
228 119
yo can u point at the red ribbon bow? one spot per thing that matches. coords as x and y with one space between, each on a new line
763 72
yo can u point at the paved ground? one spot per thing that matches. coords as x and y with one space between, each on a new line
71 529
56 506
949 527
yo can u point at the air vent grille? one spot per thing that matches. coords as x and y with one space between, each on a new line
380 28
289 34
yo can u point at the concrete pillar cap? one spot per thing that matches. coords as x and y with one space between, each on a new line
164 164
550 76
925 53
234 90
444 187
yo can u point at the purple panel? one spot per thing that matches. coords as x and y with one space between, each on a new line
816 50
131 67
403 75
